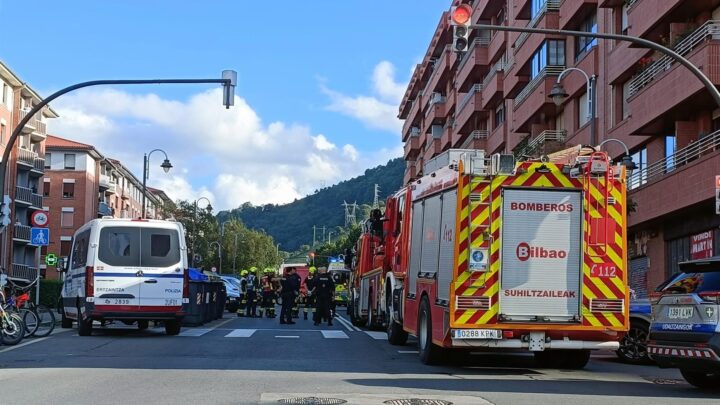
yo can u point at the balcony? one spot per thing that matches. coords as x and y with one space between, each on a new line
104 210
550 6
472 65
513 80
30 126
440 73
23 273
35 127
436 111
26 157
21 233
496 139
476 140
573 10
414 118
493 84
486 9
706 32
38 166
498 42
548 141
446 137
533 98
469 110
432 149
638 11
412 147
26 196
686 178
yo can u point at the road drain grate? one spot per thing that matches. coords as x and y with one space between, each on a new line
312 401
665 381
417 401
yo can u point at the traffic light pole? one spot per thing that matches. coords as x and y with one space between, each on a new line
627 38
228 83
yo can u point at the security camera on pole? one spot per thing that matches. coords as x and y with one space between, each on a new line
460 19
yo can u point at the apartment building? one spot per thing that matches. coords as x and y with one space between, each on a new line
81 184
24 172
496 97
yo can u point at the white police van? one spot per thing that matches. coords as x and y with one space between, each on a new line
132 270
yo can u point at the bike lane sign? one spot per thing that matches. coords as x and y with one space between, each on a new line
40 236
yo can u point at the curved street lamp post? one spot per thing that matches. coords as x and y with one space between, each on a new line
166 166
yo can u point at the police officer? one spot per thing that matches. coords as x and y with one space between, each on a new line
251 286
309 296
289 291
323 291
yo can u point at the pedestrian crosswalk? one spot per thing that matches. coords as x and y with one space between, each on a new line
249 333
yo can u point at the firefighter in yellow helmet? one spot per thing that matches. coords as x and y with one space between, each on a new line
309 283
267 284
251 286
243 293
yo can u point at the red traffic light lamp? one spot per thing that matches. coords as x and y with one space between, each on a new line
461 15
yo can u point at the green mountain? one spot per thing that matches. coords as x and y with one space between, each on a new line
291 224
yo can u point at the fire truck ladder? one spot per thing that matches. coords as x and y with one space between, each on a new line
598 173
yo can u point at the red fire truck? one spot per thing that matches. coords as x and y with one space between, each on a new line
486 253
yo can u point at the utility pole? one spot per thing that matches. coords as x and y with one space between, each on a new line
235 254
313 245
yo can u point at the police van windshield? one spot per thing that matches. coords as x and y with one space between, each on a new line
139 247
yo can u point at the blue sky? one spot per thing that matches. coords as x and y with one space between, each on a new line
318 85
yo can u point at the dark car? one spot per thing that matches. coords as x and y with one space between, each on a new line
685 331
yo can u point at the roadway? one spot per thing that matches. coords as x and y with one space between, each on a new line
258 361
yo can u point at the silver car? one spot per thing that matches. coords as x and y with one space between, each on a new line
685 329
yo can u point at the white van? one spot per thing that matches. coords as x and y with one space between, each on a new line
133 270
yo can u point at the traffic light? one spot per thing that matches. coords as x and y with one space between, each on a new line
5 212
460 19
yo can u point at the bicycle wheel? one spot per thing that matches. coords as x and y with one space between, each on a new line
13 329
30 319
46 321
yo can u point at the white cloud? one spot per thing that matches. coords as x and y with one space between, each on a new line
228 156
377 111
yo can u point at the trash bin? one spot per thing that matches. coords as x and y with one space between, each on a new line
194 315
221 299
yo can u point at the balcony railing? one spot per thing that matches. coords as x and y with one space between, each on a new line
26 156
23 273
433 101
482 40
499 66
532 84
39 164
27 196
21 232
436 66
550 5
708 30
548 135
476 88
480 134
681 157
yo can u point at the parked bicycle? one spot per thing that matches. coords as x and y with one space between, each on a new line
12 328
38 320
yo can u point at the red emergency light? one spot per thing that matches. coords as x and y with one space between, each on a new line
461 14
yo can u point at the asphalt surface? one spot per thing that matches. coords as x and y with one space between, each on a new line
258 361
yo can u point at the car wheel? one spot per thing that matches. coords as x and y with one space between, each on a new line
143 324
701 379
84 325
172 327
633 346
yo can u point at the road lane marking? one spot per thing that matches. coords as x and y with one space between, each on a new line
334 334
348 322
345 323
377 335
287 337
408 351
195 332
245 333
29 342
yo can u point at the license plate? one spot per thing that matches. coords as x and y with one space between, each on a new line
680 312
477 334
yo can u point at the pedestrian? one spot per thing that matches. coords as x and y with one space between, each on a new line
309 297
289 291
324 291
250 286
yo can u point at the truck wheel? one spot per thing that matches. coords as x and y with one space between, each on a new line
397 336
563 359
172 327
633 346
65 322
143 324
701 379
84 325
356 321
429 352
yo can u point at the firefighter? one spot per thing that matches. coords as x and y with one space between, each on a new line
267 283
243 293
309 297
323 291
251 286
289 291
297 280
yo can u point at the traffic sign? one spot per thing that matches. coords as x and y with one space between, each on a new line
39 219
51 259
39 236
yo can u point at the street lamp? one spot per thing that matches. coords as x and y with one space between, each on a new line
627 159
195 204
166 166
558 96
219 247
228 80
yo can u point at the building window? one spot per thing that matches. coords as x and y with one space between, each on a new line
65 246
639 176
537 7
624 20
550 53
67 218
583 111
670 148
46 189
584 44
3 128
68 190
625 103
48 160
70 161
499 115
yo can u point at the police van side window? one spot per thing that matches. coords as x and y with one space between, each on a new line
160 247
80 250
120 246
